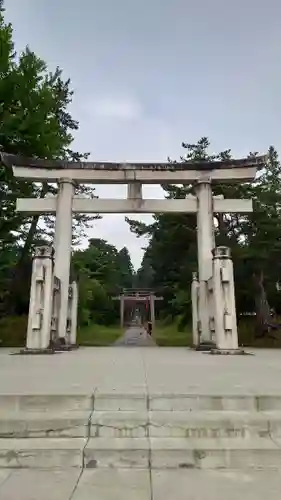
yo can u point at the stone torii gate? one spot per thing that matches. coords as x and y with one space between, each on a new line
201 174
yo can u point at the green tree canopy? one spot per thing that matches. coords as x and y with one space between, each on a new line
102 271
254 239
34 121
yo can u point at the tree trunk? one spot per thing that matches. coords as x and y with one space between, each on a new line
263 317
222 238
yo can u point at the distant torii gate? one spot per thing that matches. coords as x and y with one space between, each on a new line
137 295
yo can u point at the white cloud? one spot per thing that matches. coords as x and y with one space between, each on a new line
118 129
114 229
121 108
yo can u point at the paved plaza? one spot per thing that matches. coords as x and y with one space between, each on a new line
139 485
140 370
136 378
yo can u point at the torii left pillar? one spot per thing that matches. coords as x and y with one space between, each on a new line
152 309
205 244
63 242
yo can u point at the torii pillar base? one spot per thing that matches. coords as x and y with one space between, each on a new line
60 346
229 352
74 347
206 346
34 352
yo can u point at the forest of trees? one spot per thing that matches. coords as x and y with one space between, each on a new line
35 121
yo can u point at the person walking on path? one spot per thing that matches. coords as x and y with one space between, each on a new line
149 328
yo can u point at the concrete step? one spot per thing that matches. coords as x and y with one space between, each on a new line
129 424
138 402
44 424
117 453
216 424
159 453
37 453
119 424
121 402
185 402
162 453
47 402
257 453
201 402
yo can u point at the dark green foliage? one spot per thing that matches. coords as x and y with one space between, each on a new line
13 331
102 272
255 241
34 121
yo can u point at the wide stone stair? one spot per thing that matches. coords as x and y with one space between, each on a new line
158 431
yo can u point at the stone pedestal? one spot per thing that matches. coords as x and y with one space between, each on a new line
195 310
56 310
211 311
41 298
224 301
72 314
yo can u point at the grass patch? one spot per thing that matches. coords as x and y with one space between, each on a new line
98 335
170 336
247 336
13 331
164 335
13 334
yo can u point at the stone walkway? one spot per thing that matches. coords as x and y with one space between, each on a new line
136 336
122 484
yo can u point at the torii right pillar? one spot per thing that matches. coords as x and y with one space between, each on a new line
63 241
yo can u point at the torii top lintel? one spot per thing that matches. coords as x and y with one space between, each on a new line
22 161
236 170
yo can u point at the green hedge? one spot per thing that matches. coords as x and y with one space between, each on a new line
13 331
98 335
169 335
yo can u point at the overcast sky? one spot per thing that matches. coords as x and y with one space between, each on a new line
149 74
